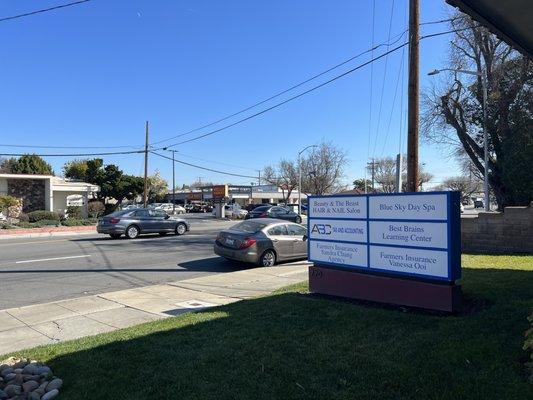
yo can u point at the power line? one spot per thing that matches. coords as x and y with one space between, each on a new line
314 87
204 168
43 10
67 147
110 153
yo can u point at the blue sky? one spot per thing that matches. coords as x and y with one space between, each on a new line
90 75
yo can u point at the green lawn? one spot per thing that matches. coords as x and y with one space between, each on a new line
296 346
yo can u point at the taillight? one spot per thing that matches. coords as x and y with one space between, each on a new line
247 243
114 220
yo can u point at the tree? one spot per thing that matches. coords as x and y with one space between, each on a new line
464 184
157 187
453 114
76 169
385 175
284 175
27 164
362 184
323 169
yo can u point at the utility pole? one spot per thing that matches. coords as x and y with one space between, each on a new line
145 196
173 181
413 97
259 177
373 169
399 173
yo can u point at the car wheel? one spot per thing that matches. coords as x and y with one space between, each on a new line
268 259
298 220
132 232
115 235
181 229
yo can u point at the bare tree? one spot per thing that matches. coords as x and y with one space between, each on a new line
323 169
453 113
385 175
466 185
284 175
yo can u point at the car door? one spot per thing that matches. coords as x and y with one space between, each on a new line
142 218
159 221
298 234
281 241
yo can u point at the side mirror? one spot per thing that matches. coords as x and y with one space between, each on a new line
305 238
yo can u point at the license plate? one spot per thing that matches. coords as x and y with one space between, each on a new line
231 242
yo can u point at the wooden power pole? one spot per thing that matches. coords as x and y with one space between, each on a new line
145 196
413 97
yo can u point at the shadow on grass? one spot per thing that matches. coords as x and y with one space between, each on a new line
297 346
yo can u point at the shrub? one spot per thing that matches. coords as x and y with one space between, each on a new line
79 222
74 212
41 215
95 208
39 224
23 217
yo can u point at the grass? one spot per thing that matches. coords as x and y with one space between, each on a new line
293 345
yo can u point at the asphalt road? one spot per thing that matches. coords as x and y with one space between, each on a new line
47 269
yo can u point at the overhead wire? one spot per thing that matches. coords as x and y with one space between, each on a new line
201 167
383 83
74 3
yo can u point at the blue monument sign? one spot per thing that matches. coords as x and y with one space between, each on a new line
413 235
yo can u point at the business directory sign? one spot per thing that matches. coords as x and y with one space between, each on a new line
410 234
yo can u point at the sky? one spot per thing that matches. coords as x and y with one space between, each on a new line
92 74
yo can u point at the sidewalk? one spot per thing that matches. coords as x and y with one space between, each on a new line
46 232
34 325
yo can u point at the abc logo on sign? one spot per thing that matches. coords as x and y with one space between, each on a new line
321 229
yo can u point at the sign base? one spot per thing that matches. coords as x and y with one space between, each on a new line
384 289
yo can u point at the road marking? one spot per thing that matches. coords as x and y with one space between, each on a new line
51 259
34 242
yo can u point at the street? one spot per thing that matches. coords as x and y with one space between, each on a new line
48 269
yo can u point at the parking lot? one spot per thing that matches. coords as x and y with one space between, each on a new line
48 269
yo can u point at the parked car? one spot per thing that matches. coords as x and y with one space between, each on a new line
462 208
234 211
479 204
251 207
262 241
169 208
131 206
275 212
133 223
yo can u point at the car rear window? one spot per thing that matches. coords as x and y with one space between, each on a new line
250 226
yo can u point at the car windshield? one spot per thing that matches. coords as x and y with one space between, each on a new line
250 226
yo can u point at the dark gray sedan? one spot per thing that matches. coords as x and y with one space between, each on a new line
263 241
132 223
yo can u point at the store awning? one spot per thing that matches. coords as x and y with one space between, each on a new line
510 20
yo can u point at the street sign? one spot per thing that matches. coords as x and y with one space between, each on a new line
220 191
399 234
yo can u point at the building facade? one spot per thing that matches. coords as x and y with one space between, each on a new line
47 192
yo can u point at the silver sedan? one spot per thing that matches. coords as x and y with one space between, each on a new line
132 223
263 241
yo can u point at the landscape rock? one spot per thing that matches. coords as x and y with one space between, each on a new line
7 370
3 395
10 377
34 396
44 370
31 369
29 386
50 395
13 390
54 384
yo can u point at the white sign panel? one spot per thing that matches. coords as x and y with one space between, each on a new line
410 261
402 234
433 207
337 207
75 200
339 229
417 234
348 254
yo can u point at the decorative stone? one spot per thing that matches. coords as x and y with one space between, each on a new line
6 371
31 377
3 395
13 390
31 369
17 371
44 370
10 377
34 396
54 384
29 386
50 395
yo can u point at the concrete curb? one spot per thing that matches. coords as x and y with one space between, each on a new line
46 232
